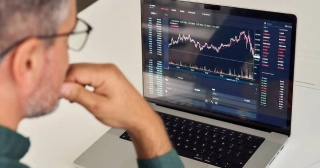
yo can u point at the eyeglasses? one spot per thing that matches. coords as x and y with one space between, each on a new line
77 39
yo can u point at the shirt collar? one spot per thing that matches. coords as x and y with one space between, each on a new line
12 144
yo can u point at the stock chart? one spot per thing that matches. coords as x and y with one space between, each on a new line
225 50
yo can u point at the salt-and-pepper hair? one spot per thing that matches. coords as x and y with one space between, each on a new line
20 19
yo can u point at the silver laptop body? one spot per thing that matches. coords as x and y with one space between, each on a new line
193 71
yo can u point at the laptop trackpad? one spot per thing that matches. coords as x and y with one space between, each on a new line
131 163
188 163
108 151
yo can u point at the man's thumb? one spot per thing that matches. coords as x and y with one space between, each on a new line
79 94
68 89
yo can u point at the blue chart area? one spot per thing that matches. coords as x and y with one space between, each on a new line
225 51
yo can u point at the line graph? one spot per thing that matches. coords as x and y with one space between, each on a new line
242 36
224 51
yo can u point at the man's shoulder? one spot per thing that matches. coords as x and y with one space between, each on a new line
10 163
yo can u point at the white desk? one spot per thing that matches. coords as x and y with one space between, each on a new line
61 137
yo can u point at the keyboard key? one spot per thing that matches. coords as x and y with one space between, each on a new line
212 147
195 143
223 144
234 160
203 151
220 156
167 129
206 139
223 131
195 149
216 129
182 133
124 136
198 131
185 153
214 142
215 135
249 138
220 150
176 119
248 151
199 125
232 139
217 163
231 146
183 121
175 125
227 165
240 142
172 136
198 137
207 133
223 137
168 117
246 157
240 148
232 133
208 159
251 145
203 145
168 123
258 140
199 157
187 140
179 138
178 145
240 135
208 127
211 153
183 127
190 135
186 147
238 154
190 129
162 115
229 152
174 131
191 123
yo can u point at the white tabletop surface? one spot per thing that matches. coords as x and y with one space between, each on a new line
58 139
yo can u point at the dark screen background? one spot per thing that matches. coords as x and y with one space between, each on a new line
225 64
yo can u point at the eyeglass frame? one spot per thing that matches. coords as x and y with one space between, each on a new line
88 31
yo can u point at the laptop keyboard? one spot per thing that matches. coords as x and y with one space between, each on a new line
209 144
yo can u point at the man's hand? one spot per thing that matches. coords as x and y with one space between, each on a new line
116 103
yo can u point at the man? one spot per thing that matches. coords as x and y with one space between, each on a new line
34 74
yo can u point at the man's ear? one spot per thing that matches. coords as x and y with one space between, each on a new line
28 63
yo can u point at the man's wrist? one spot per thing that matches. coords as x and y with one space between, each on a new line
150 138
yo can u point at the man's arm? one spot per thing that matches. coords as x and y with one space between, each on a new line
116 103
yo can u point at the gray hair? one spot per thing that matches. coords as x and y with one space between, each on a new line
20 19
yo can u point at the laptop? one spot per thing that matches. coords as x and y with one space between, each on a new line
220 77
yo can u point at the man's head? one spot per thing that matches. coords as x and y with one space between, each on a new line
32 73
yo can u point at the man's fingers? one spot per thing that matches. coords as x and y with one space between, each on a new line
94 75
77 93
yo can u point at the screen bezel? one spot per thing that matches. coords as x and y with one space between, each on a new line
274 16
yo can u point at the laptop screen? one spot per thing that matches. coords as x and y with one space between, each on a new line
219 60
